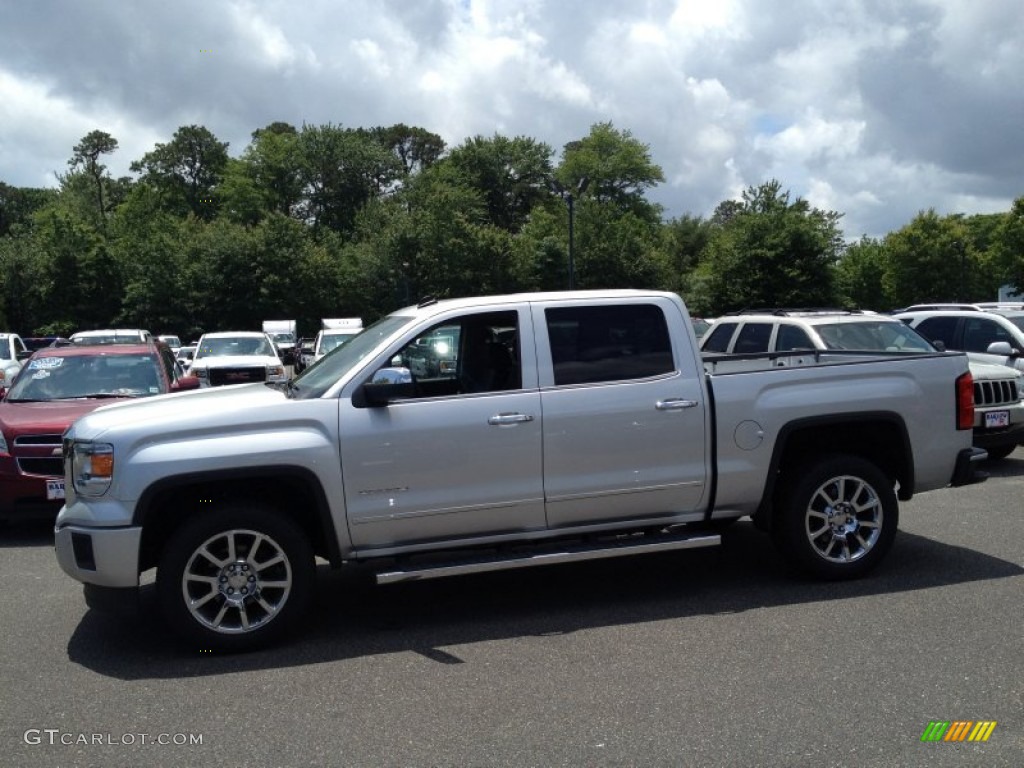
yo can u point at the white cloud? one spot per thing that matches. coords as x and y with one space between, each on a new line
877 110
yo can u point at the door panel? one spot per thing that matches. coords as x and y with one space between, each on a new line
621 449
462 457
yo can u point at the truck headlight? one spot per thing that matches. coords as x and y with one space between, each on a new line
92 467
275 370
201 373
3 444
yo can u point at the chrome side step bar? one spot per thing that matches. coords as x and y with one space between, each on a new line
630 546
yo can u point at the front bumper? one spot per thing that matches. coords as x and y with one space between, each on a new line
106 557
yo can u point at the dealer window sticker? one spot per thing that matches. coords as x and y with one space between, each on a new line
46 362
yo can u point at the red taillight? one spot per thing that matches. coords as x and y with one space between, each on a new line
965 401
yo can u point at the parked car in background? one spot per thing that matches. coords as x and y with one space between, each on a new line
12 352
998 409
236 357
303 354
282 334
334 332
793 329
987 335
184 356
56 386
112 336
34 343
171 341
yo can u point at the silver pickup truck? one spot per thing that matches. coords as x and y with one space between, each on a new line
553 427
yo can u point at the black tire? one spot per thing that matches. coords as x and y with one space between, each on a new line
235 579
1000 452
838 518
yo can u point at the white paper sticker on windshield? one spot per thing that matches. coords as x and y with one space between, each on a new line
46 362
43 374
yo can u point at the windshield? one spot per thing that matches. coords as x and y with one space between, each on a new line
235 345
1017 320
283 338
319 377
60 378
112 337
331 341
881 336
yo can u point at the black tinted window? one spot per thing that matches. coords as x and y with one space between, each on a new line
593 344
718 339
791 337
939 329
753 337
980 332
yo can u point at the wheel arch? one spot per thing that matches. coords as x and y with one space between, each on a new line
880 437
296 491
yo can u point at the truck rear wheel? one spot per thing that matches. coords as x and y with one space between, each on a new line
235 579
839 518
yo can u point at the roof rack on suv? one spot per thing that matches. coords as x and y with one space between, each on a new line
937 307
797 311
1001 305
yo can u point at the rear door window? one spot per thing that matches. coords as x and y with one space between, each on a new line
608 343
939 329
753 337
791 337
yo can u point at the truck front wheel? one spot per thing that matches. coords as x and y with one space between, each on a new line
235 579
838 518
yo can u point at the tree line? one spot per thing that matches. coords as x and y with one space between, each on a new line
328 221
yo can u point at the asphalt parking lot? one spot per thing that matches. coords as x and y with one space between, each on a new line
703 658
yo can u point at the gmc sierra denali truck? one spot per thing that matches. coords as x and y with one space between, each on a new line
568 426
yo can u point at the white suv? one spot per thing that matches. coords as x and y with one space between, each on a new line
998 408
986 335
787 330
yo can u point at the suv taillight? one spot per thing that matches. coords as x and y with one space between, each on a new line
965 401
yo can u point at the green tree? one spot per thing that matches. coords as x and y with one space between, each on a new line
615 167
1007 253
341 170
186 171
416 148
931 259
771 252
17 204
860 275
511 176
86 158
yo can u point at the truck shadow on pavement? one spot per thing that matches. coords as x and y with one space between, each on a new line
352 618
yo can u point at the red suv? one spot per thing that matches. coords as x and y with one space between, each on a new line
56 386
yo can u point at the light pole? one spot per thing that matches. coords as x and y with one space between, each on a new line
570 201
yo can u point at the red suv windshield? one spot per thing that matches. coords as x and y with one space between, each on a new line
84 376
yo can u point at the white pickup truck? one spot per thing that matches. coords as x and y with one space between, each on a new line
565 426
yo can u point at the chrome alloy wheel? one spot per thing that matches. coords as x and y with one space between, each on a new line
843 520
236 581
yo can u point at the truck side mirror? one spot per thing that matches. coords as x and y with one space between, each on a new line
939 345
386 386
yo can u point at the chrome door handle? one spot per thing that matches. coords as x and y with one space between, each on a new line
675 404
501 419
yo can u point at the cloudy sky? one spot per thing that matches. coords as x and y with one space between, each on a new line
877 109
